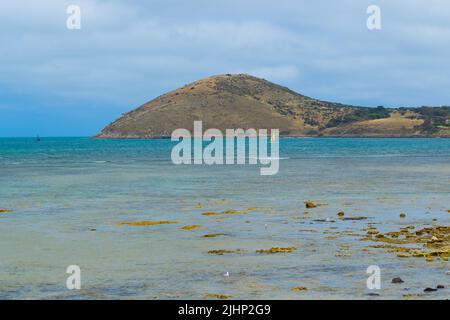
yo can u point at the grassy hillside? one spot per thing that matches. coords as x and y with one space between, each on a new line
244 101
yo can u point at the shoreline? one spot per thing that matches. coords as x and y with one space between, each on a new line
292 137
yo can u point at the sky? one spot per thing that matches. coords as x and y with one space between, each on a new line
55 81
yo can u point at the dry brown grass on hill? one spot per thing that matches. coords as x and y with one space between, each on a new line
244 101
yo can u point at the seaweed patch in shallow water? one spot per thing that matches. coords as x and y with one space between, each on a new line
299 289
216 296
199 207
213 235
430 243
233 212
221 252
212 213
148 223
412 295
277 250
195 226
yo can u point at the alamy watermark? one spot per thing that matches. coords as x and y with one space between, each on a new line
73 22
374 20
374 280
259 142
73 281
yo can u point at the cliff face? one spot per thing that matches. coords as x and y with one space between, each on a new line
244 101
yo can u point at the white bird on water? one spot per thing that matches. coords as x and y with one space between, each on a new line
227 274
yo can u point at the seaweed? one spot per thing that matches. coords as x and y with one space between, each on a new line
213 235
216 296
195 226
212 213
221 252
148 223
277 250
232 212
431 242
299 288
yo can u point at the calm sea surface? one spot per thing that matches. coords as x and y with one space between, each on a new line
69 196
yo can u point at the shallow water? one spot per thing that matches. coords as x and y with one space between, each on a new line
68 196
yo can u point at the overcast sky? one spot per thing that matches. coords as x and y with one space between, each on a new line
60 82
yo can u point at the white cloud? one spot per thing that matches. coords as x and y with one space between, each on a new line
276 74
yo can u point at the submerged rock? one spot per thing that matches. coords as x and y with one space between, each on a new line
373 294
397 280
310 205
354 218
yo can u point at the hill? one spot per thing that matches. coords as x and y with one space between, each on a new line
243 101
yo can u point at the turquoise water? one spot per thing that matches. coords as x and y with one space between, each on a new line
68 196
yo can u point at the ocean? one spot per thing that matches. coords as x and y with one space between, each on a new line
69 198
